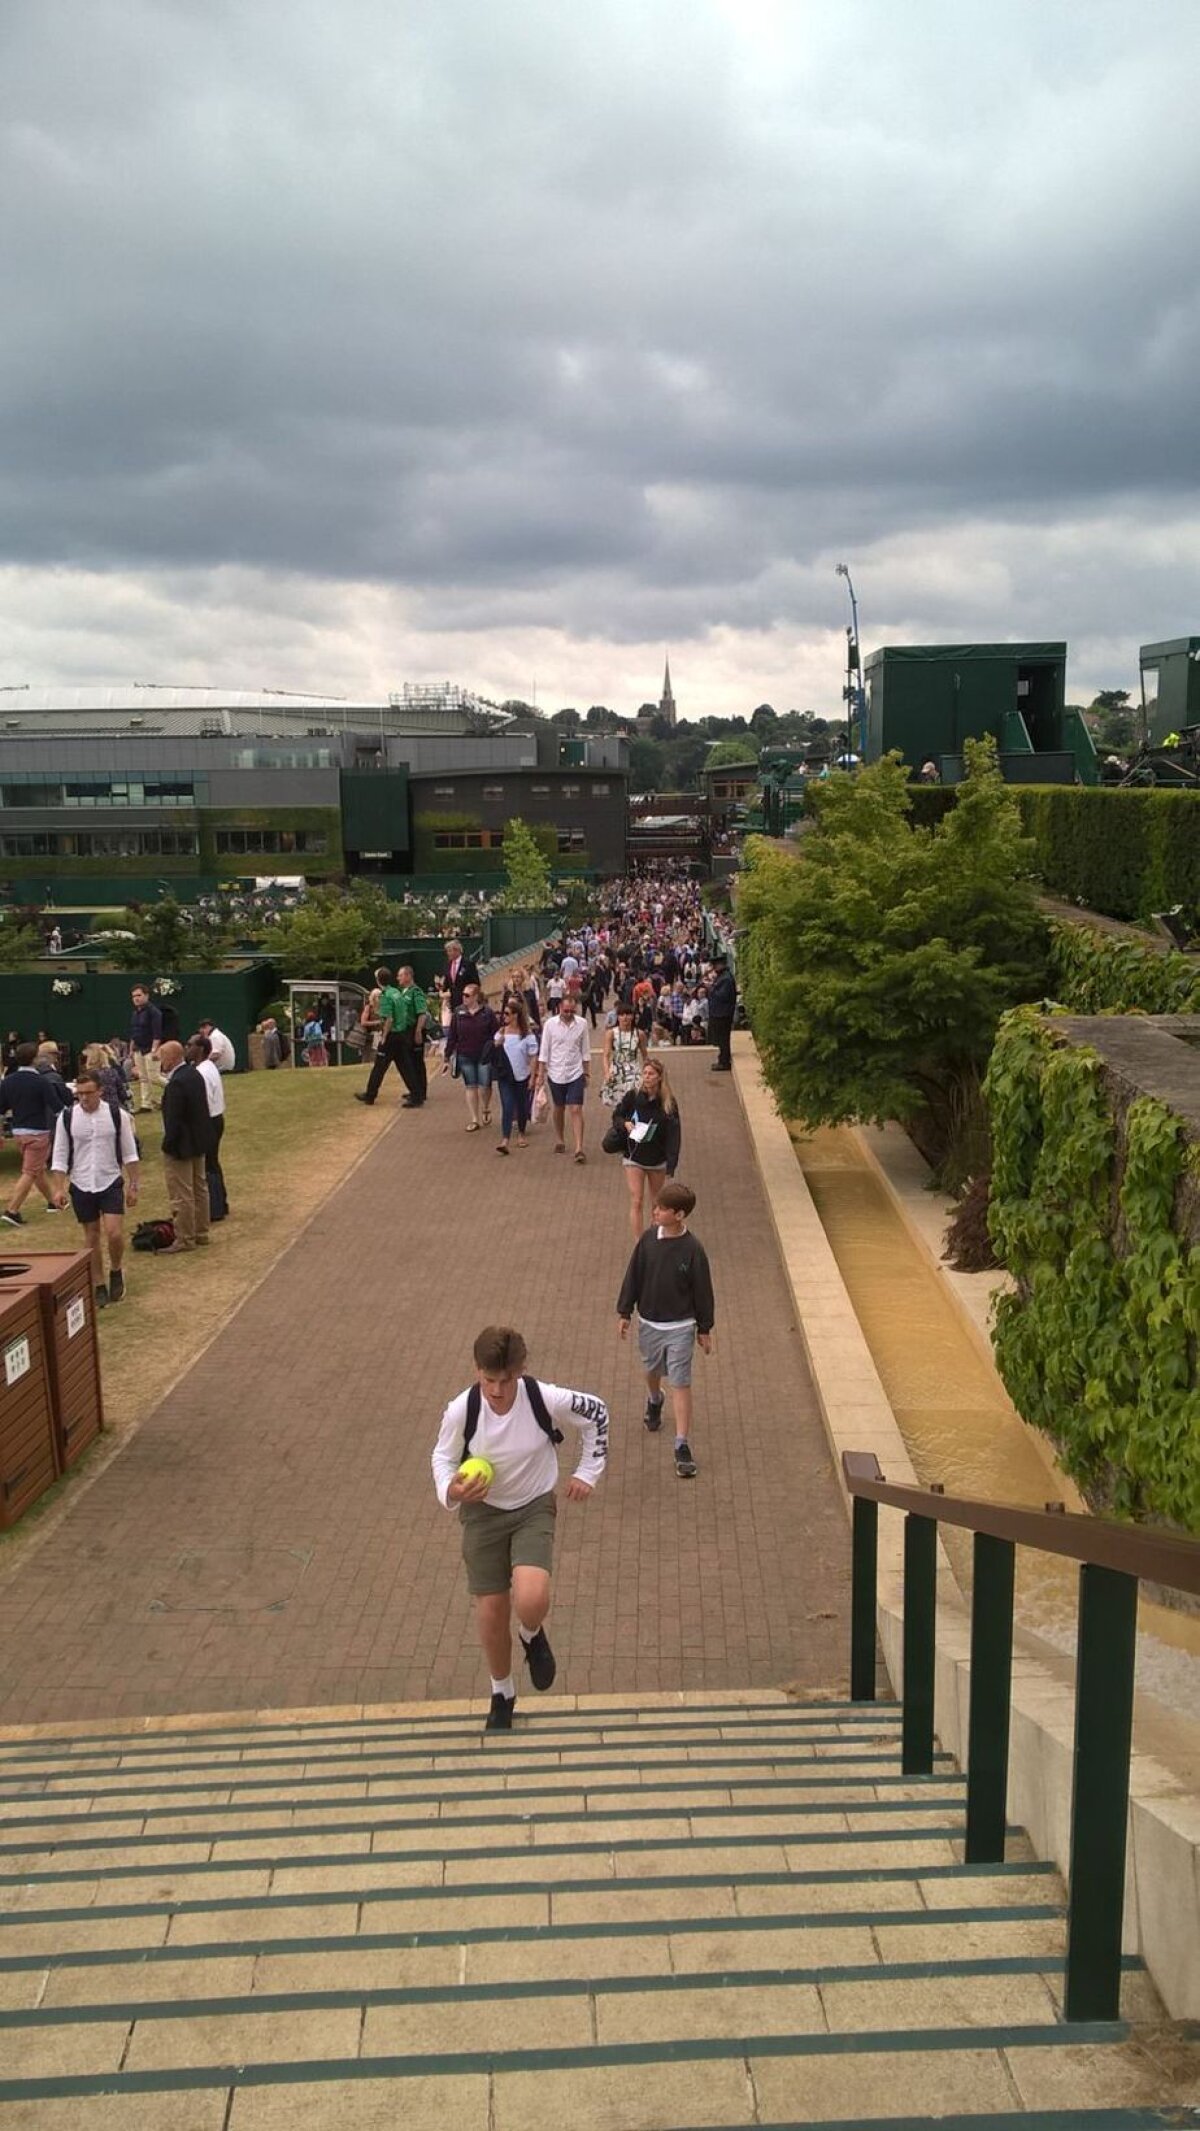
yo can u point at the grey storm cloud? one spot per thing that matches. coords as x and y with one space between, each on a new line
605 317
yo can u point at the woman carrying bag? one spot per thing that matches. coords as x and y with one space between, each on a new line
624 1057
647 1120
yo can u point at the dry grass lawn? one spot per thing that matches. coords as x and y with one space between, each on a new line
290 1139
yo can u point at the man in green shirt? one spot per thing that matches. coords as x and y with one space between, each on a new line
403 1015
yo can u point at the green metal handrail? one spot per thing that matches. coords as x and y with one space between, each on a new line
1113 1559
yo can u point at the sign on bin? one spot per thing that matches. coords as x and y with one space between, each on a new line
16 1361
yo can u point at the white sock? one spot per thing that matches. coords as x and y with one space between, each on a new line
506 1687
526 1634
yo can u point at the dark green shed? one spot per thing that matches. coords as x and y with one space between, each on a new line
926 699
1170 675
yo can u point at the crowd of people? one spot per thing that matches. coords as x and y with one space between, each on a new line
649 974
77 1140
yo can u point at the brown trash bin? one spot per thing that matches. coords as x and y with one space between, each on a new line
28 1450
63 1281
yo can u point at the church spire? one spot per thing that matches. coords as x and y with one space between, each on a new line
666 707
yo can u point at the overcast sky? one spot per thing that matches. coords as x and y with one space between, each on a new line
351 345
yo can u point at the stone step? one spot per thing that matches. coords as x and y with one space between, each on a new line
644 1916
794 2077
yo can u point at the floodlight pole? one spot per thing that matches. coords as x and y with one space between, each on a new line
854 693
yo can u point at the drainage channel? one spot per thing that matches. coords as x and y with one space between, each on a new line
958 1423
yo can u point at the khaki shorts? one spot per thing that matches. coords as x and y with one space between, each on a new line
497 1541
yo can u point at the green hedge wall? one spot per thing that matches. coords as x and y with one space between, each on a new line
1123 853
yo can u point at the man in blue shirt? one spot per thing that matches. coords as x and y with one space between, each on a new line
33 1101
145 1040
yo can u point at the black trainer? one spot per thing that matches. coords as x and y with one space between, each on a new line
685 1463
540 1659
500 1715
101 1294
116 1286
13 1220
368 1099
652 1417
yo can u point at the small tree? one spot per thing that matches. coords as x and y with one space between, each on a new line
19 943
723 754
333 933
166 937
880 957
527 870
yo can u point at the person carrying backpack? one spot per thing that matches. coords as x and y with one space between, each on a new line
513 1422
96 1155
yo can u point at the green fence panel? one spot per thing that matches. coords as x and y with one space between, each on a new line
98 1005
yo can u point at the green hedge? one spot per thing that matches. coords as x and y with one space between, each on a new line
1123 853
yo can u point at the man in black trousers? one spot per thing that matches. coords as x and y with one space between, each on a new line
722 999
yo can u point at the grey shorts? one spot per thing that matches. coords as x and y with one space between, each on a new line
668 1354
497 1541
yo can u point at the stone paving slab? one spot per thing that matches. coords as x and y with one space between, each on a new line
270 1538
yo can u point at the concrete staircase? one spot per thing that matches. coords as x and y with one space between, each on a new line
641 1915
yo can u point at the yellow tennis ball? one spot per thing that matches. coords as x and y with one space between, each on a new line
476 1469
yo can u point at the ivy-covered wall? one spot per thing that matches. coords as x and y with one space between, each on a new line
1095 1210
1102 973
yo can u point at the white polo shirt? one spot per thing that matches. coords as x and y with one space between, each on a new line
566 1049
224 1057
211 1077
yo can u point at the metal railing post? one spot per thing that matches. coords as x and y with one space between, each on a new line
1104 1667
920 1622
991 1699
864 1562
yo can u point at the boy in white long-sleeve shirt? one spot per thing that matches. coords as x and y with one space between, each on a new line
513 1421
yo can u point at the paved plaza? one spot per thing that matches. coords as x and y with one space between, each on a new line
270 1537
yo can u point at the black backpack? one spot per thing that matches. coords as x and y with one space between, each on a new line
540 1415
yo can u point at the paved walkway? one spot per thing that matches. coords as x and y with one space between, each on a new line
270 1538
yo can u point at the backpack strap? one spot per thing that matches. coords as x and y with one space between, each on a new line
474 1402
540 1414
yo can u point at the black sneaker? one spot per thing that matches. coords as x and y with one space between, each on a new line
685 1463
52 1208
652 1417
500 1715
116 1287
368 1099
14 1220
101 1294
540 1659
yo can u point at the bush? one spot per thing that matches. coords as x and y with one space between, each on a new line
1093 1201
1100 973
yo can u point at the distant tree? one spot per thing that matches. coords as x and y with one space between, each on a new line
527 884
334 932
724 753
1110 699
165 937
516 708
646 760
20 944
567 718
763 720
599 718
684 756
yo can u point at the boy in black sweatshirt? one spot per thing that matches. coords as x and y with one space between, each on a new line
669 1284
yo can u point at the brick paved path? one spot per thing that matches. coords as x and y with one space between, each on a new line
270 1538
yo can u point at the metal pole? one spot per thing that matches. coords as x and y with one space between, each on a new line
1104 1664
991 1698
864 1561
920 1625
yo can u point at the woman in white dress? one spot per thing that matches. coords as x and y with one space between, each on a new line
624 1057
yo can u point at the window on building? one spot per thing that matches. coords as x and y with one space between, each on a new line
273 843
542 791
127 791
569 791
570 840
443 791
468 840
100 843
599 791
493 791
